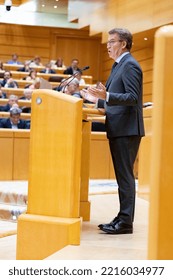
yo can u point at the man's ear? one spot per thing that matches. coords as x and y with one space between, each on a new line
124 44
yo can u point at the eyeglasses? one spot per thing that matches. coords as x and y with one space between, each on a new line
111 42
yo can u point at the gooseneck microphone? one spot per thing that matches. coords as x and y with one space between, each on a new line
85 68
70 78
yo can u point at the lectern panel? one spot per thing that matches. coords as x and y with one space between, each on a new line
55 154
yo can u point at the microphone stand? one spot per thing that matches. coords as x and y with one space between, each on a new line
71 78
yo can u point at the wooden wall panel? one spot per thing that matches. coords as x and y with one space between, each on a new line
26 41
23 41
148 88
147 76
51 43
87 51
147 98
143 54
145 58
25 53
146 64
22 30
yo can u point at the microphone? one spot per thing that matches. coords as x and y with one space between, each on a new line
72 77
85 68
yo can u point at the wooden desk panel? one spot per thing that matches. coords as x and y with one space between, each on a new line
21 157
100 160
14 151
6 155
17 75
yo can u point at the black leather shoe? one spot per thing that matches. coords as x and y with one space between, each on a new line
115 220
118 228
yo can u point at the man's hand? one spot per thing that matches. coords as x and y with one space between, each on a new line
87 96
94 93
10 80
99 91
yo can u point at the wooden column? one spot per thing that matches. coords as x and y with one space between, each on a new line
161 182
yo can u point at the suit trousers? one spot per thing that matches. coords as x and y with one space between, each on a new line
124 151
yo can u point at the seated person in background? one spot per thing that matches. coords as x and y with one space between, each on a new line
59 63
14 120
35 62
2 94
35 85
73 68
1 66
8 81
31 76
48 69
61 86
79 77
14 59
27 96
12 100
25 68
73 88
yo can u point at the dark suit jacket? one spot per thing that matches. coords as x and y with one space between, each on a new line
11 85
51 71
5 108
69 71
25 109
23 69
23 124
4 95
124 115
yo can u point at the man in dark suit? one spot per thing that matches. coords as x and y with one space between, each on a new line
122 100
12 100
73 68
8 81
48 69
2 93
14 121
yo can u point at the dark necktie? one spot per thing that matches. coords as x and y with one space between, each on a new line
111 75
114 65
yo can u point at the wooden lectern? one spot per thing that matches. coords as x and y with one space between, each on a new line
58 176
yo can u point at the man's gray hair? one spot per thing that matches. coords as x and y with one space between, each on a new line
27 90
12 96
15 111
124 35
74 81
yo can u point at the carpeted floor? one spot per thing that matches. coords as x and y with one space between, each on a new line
7 228
95 245
13 199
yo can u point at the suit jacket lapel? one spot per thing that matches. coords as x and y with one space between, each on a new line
114 70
